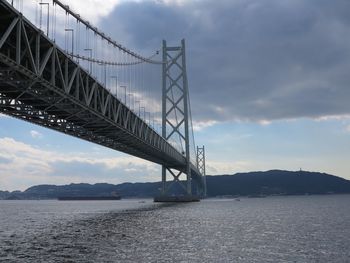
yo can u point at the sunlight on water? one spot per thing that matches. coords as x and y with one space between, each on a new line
274 229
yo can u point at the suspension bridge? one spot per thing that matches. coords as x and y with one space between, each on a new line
59 71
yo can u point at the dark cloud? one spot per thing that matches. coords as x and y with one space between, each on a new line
4 160
251 59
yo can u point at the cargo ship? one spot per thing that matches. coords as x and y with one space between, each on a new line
88 198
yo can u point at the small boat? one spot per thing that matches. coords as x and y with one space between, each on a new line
88 198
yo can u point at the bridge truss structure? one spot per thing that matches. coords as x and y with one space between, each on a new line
46 85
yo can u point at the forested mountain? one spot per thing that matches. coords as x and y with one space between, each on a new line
274 182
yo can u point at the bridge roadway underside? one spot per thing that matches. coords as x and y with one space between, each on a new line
39 83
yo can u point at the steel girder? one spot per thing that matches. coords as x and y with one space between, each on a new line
41 84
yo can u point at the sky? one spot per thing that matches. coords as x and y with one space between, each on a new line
268 83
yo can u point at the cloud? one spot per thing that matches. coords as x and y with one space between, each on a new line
85 8
247 60
35 134
334 117
23 165
264 122
347 128
250 60
200 125
219 167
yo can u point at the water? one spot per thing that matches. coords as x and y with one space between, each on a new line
273 229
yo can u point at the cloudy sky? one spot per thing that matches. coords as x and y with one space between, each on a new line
269 83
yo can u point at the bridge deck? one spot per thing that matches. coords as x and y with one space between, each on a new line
41 84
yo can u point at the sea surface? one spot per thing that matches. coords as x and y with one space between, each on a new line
272 229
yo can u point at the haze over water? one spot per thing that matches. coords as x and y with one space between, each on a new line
273 229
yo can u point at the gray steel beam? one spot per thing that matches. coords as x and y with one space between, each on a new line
80 94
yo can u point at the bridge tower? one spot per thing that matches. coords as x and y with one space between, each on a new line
201 168
175 112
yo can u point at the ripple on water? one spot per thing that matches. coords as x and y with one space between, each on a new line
278 229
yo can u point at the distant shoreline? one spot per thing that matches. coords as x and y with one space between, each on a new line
253 184
207 198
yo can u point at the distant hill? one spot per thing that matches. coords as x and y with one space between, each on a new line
4 194
274 182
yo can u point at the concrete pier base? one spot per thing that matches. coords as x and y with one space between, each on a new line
176 199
